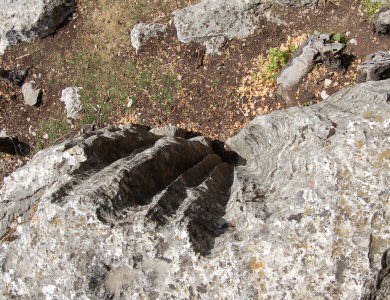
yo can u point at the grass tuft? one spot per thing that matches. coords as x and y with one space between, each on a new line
371 7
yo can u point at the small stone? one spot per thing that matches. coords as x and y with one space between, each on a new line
45 136
324 95
327 82
130 102
70 96
31 95
3 133
353 42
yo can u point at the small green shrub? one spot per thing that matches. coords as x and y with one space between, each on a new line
338 37
277 59
371 7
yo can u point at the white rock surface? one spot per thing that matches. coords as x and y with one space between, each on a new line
24 20
70 96
31 94
327 82
324 95
122 213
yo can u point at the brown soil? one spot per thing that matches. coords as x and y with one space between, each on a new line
207 100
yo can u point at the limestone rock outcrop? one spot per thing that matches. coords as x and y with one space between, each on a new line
25 20
298 209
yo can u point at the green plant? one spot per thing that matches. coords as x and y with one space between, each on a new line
277 59
338 37
371 7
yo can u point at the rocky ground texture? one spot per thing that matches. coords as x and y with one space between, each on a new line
300 212
296 205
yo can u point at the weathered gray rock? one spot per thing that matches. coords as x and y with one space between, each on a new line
318 48
213 21
375 67
24 20
381 21
70 96
31 95
122 213
142 32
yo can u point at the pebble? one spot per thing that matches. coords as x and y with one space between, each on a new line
327 82
130 102
3 133
324 95
353 42
31 95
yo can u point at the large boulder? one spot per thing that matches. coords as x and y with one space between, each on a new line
123 213
24 20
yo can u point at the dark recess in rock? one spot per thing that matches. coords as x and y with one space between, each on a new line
13 146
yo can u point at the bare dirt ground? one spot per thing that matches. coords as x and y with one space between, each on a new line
167 82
